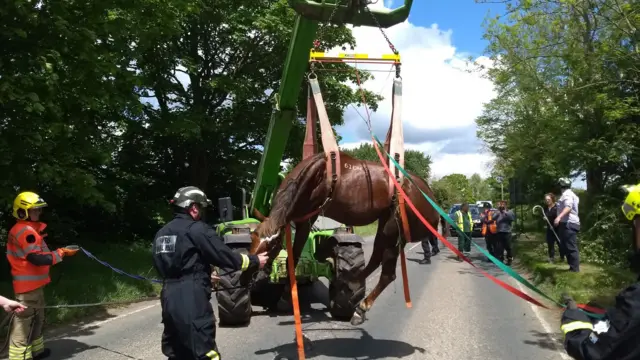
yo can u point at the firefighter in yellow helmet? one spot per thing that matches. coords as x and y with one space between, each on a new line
30 260
617 335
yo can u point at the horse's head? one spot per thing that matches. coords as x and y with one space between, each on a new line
264 234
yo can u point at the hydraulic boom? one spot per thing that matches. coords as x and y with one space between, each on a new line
310 13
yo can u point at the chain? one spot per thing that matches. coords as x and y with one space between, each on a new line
316 42
375 20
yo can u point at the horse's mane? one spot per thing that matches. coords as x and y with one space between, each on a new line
286 198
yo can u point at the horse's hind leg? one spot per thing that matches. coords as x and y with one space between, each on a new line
387 275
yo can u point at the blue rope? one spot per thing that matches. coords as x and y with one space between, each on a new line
121 272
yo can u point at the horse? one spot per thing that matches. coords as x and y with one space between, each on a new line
360 197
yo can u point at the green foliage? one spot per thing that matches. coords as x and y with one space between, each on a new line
594 283
566 78
108 107
457 188
414 161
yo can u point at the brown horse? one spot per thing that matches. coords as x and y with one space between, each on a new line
360 197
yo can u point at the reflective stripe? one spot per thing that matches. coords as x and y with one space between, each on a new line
37 345
25 228
213 354
30 277
20 353
21 253
245 262
56 257
576 325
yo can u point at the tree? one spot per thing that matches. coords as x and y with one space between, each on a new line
414 161
109 107
567 79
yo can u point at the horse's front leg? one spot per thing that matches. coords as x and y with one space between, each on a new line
300 239
387 275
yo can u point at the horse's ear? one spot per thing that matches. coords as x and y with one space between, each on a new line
258 215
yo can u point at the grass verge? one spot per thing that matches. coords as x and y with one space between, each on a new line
595 284
79 279
367 230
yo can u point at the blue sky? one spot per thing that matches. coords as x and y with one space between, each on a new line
440 103
464 17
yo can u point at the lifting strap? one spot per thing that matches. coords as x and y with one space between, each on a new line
394 145
329 143
310 146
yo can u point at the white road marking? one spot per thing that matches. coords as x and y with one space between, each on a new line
547 328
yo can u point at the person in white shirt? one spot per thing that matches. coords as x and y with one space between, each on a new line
568 224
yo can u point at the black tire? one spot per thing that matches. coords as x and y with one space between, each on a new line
349 261
234 303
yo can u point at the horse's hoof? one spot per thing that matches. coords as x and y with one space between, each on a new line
357 319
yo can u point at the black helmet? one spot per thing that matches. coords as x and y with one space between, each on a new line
188 195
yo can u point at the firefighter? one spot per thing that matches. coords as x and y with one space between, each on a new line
489 228
30 260
183 252
617 335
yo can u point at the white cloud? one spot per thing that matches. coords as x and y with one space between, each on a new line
440 99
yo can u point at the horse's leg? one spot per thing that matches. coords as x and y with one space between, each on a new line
387 275
302 233
376 256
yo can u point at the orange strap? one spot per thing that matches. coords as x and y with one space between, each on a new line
294 294
403 260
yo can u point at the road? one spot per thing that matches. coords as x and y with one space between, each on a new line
456 314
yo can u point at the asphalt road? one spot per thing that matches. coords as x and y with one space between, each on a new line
456 314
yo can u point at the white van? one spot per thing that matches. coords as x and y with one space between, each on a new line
481 203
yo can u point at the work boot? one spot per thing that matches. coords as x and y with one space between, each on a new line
435 252
425 261
509 261
43 355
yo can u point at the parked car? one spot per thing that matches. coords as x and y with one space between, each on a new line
475 217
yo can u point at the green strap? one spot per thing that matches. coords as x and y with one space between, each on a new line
497 262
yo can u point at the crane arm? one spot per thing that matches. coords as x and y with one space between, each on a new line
310 13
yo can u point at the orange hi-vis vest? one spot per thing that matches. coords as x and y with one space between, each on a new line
493 228
27 276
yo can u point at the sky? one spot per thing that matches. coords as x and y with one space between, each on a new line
440 99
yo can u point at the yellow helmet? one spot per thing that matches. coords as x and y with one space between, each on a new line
631 205
25 201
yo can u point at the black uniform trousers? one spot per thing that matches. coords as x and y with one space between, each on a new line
189 320
502 242
432 241
490 240
619 341
568 233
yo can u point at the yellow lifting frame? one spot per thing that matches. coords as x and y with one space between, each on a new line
320 56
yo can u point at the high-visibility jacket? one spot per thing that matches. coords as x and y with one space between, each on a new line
459 221
26 238
492 226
